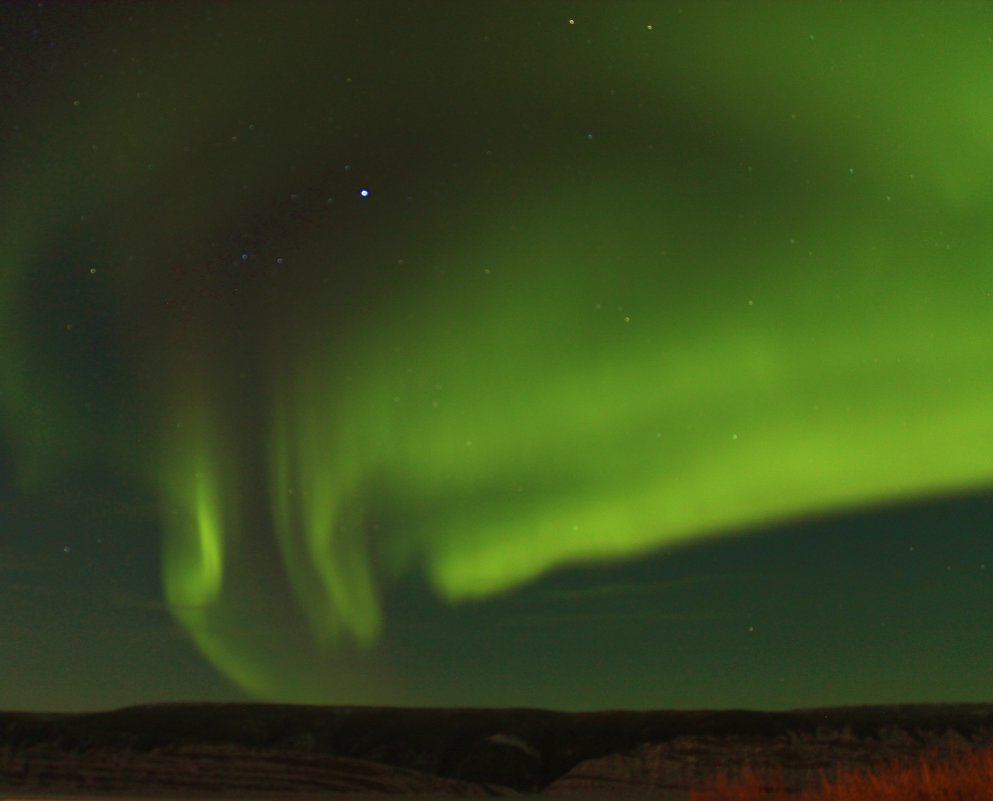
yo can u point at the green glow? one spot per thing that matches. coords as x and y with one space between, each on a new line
607 361
577 435
320 530
194 557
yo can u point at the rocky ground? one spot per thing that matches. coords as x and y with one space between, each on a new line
247 750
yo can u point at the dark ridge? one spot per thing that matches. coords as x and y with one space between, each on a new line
523 749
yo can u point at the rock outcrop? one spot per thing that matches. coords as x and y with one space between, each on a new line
665 771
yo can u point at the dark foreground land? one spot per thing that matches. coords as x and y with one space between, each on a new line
253 750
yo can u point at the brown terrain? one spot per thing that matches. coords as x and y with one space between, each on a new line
258 750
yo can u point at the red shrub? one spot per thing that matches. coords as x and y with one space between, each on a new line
966 775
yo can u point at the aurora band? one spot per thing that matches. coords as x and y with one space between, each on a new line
629 357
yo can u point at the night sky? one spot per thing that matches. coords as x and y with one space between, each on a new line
565 354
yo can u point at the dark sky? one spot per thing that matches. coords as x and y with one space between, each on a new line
564 354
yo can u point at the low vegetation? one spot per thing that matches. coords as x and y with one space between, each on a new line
966 775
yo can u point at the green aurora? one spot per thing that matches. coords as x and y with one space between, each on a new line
706 270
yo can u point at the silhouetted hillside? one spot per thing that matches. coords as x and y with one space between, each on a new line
269 748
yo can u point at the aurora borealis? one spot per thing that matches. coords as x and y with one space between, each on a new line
556 354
